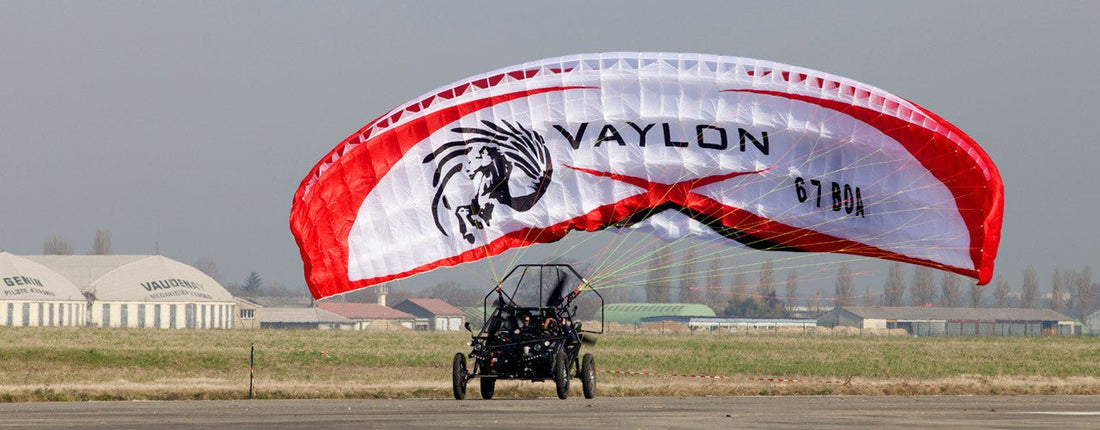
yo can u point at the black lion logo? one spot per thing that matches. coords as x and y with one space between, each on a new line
506 165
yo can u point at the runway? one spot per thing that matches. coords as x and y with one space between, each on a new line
1025 412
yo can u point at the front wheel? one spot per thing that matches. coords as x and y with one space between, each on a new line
488 387
459 376
588 376
561 375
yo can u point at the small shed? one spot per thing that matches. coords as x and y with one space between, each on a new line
247 315
932 321
439 314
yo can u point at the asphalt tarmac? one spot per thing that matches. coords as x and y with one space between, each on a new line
820 412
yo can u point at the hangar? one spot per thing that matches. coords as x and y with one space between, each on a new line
32 295
144 291
922 321
632 313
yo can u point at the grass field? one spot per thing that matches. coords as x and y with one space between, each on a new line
102 364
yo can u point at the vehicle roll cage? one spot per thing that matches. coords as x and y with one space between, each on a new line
505 300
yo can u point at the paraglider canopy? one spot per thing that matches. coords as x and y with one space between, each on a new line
749 152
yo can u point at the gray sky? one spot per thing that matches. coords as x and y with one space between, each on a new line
189 125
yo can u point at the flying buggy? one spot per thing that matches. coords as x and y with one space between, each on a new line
533 332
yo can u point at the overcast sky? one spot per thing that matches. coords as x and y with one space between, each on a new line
187 126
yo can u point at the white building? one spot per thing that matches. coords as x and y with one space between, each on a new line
145 291
32 295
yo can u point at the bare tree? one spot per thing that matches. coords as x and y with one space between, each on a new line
715 297
1057 291
209 267
101 244
924 287
951 296
740 287
1030 290
766 285
791 287
868 299
1082 297
454 293
844 287
56 246
689 280
660 270
1000 293
976 292
895 286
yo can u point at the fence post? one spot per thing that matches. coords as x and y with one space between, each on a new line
252 372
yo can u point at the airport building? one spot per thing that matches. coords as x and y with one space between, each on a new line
32 295
144 291
931 321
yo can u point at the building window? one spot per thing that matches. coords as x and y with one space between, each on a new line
141 315
172 316
41 315
156 316
11 314
202 314
106 314
247 314
124 321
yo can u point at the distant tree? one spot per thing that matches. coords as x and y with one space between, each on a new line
868 298
1000 293
976 292
660 270
715 296
252 284
101 244
1057 291
209 267
791 287
895 286
949 287
924 287
766 281
1029 292
740 287
1082 296
690 290
844 284
456 294
755 307
56 246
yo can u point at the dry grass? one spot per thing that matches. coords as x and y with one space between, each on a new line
114 364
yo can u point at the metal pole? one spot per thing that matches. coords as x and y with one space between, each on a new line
252 372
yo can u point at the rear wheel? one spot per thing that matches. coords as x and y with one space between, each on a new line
488 386
459 376
588 376
561 375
